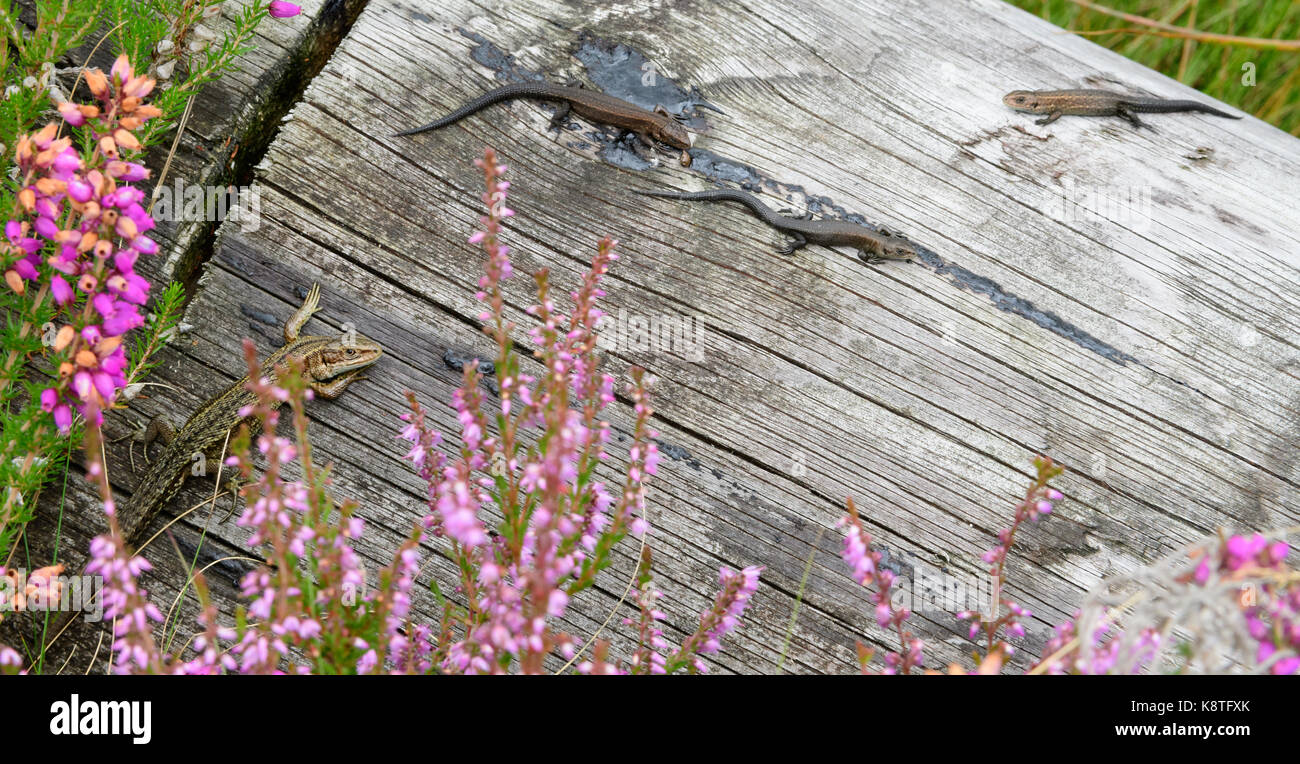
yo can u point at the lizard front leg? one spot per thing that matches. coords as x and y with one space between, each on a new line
561 116
333 388
641 144
797 241
234 485
293 327
159 428
872 255
1049 119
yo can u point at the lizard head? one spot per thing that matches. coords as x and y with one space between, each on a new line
891 246
1021 100
343 355
673 133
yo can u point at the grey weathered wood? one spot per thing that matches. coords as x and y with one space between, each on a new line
1164 376
236 115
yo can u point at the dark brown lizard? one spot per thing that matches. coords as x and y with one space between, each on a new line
873 245
657 125
1099 103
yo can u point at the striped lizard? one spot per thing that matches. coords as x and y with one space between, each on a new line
330 364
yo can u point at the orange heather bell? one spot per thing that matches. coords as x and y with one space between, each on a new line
45 136
64 338
97 82
126 228
106 346
125 139
50 186
138 87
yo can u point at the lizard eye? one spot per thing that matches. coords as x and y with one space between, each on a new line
350 353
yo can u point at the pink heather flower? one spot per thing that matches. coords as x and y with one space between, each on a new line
10 657
557 603
79 190
127 172
1274 623
126 602
858 555
62 417
556 521
119 316
730 604
46 227
1286 666
121 72
65 164
282 10
648 657
459 509
71 114
1202 573
106 219
16 233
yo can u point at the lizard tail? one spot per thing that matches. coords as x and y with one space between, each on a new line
505 93
1164 107
726 195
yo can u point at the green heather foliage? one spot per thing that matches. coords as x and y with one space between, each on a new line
176 42
1263 82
